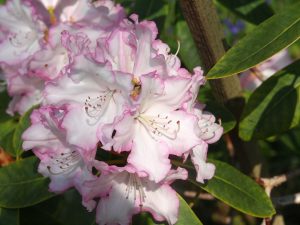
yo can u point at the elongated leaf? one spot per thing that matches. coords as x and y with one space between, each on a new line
21 185
9 216
186 214
65 209
22 125
7 126
7 144
274 107
273 35
254 11
237 190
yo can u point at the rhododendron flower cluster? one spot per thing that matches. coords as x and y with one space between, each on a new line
104 84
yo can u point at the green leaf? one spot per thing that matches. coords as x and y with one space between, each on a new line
7 144
7 126
188 51
273 35
254 11
7 123
220 112
9 216
274 107
237 190
21 185
145 219
23 124
186 214
65 209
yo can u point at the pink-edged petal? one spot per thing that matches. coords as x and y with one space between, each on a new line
116 195
205 171
119 50
23 31
162 202
209 131
174 129
116 201
87 80
80 130
49 63
148 155
122 139
37 135
144 61
178 174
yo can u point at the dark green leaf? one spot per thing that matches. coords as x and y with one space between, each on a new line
220 112
254 11
186 214
7 126
21 185
65 209
237 190
9 216
145 219
4 99
188 51
273 35
274 107
7 144
23 124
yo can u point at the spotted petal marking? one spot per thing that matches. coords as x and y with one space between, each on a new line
95 107
64 163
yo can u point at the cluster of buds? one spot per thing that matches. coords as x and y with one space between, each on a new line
104 84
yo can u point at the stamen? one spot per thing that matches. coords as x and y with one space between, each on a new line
178 48
135 189
160 126
65 162
171 59
95 107
136 88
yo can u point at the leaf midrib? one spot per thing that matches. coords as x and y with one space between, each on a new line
267 44
23 182
241 190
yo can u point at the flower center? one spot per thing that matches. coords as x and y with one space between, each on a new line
51 12
135 188
95 107
160 125
65 162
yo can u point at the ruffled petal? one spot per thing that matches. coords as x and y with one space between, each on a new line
148 155
80 130
204 170
115 208
162 202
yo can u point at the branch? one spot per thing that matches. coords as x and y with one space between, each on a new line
287 200
270 183
203 22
